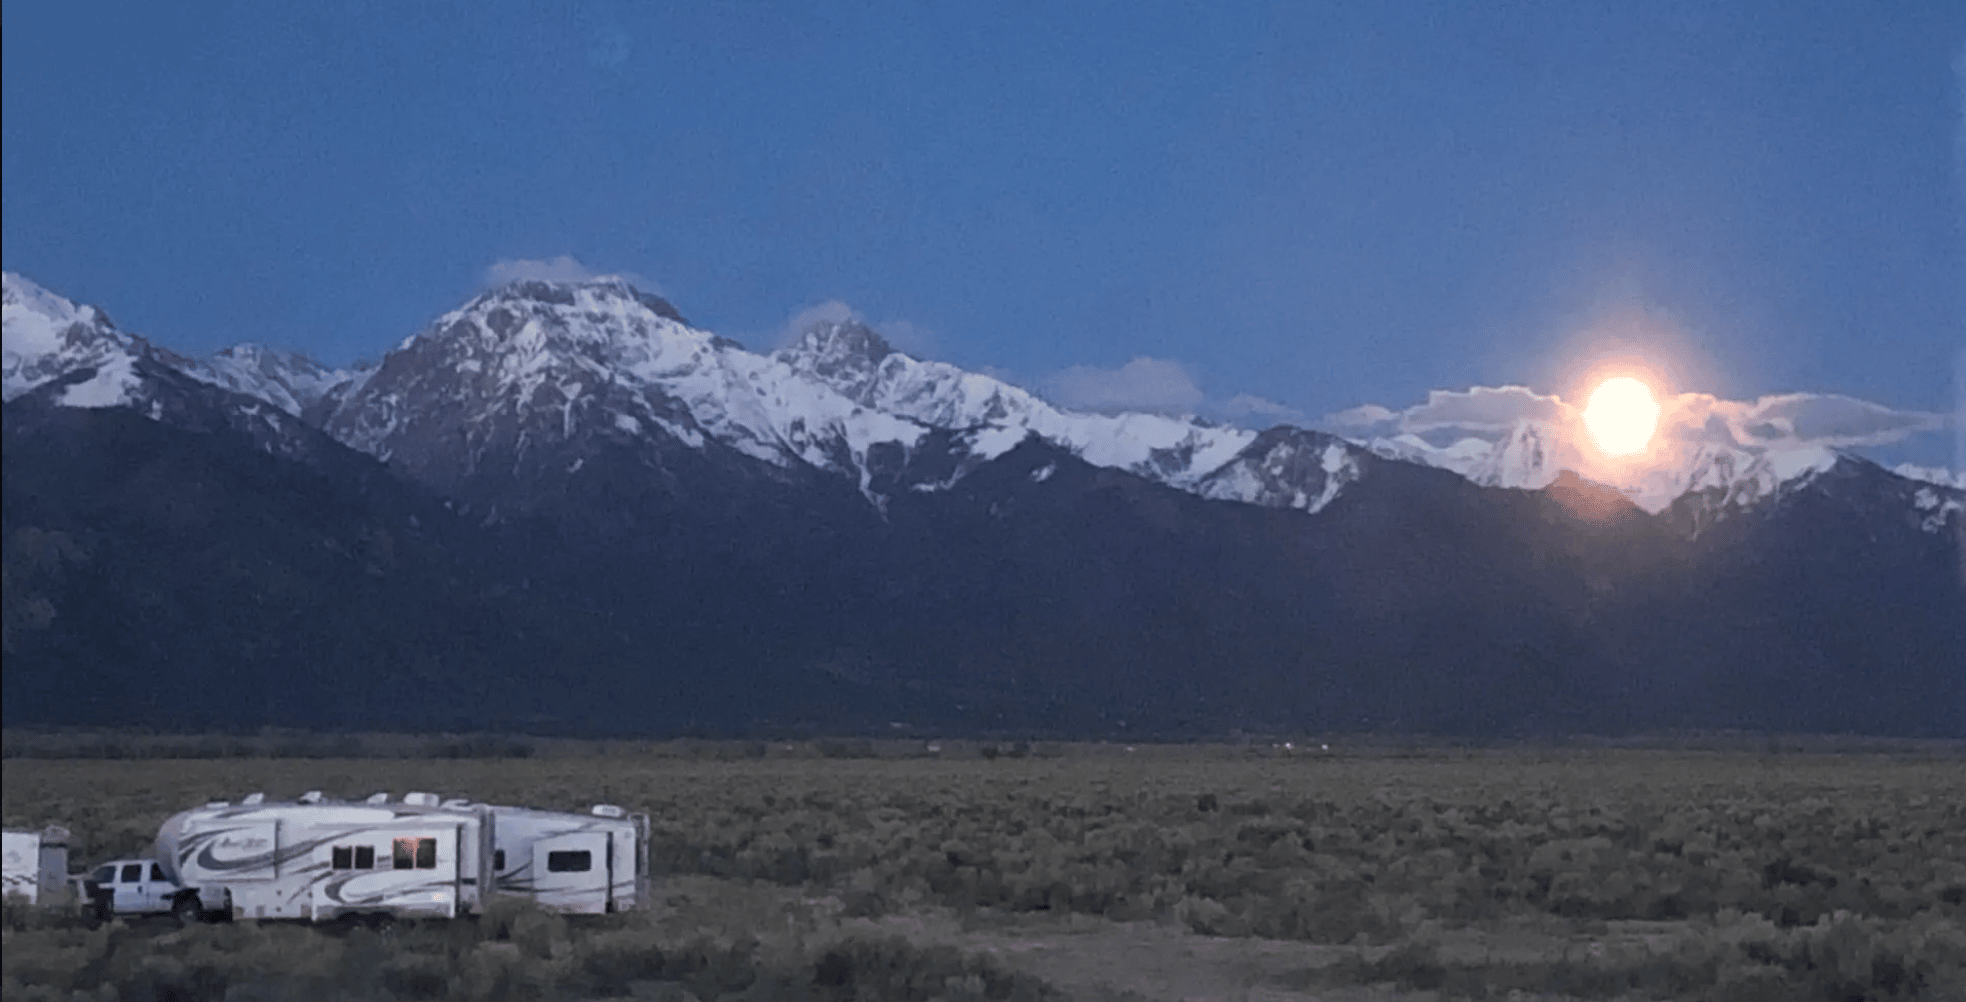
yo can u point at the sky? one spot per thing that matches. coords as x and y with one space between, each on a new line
1263 212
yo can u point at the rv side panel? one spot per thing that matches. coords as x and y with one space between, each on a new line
36 864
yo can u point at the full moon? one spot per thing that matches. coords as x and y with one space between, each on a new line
1621 415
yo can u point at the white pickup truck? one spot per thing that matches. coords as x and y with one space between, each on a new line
127 887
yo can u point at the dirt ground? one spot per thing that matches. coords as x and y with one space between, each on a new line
1097 960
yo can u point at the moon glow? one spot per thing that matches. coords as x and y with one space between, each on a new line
1621 415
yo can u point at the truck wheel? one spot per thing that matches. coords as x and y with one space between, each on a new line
187 910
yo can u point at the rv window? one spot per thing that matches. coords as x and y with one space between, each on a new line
404 854
343 857
365 857
156 872
426 854
569 862
132 872
498 860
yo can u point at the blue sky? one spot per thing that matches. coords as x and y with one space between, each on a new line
1320 206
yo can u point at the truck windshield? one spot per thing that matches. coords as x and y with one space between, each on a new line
105 874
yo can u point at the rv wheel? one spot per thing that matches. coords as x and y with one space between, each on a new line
187 910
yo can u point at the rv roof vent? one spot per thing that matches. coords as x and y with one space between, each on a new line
379 798
420 799
455 802
254 798
311 797
608 811
218 803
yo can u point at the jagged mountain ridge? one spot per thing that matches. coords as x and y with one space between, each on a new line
616 365
535 374
1719 477
48 337
743 566
859 364
286 379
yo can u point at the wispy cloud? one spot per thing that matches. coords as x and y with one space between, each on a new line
1247 405
1772 422
909 338
1157 385
1482 411
1931 474
1144 384
1826 419
565 268
560 269
832 311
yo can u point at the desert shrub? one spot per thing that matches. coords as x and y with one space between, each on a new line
1324 851
247 963
1412 965
846 749
891 968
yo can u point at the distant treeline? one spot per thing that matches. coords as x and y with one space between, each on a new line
279 743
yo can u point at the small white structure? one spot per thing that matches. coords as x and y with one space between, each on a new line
36 864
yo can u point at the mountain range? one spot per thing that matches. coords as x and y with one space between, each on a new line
562 506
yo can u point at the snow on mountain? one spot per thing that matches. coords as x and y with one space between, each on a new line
854 360
63 354
531 363
1722 482
1461 456
48 337
1528 457
1533 452
1286 467
44 337
1938 505
1932 475
284 379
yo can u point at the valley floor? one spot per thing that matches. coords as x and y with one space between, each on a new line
1197 872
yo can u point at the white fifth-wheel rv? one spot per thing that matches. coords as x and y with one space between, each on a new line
318 859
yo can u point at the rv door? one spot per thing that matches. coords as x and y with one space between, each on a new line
573 873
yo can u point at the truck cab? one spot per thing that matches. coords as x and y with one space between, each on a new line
129 887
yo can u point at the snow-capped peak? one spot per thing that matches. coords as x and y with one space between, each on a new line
856 362
533 362
845 355
602 288
25 299
1287 467
1532 453
44 336
1735 478
289 381
1528 457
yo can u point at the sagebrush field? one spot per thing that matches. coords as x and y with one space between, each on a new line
800 871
